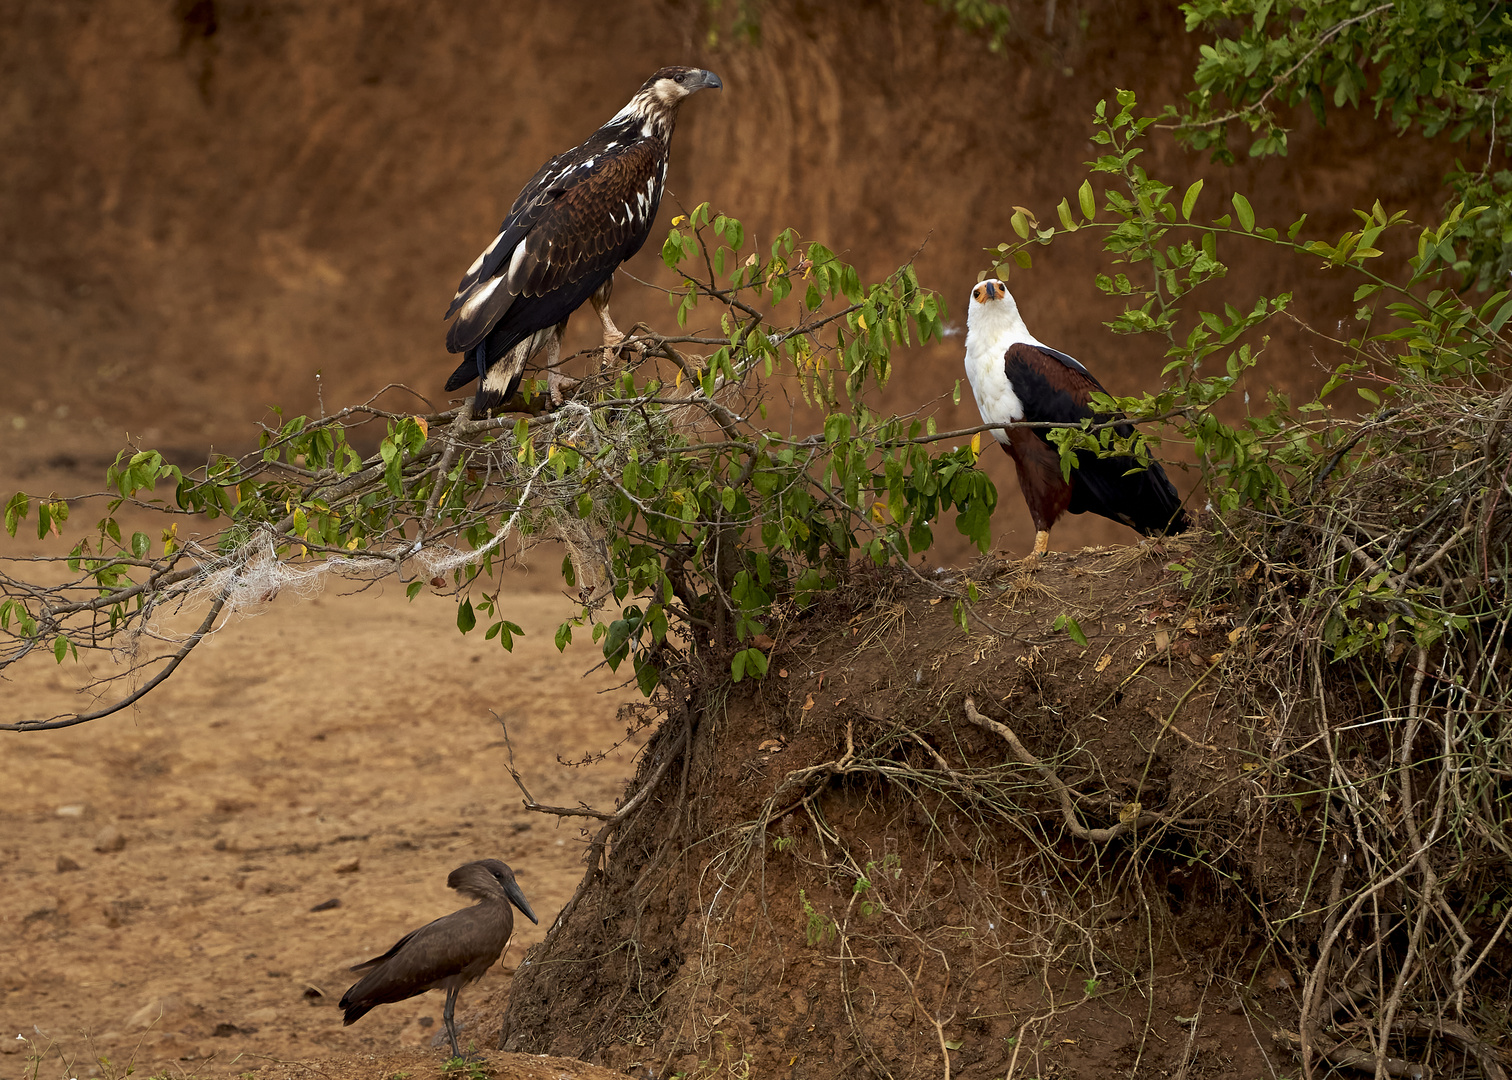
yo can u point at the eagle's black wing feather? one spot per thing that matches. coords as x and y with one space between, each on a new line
1054 388
583 214
529 204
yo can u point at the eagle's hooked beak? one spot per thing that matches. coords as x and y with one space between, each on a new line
707 80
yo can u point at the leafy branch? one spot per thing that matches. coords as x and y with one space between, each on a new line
689 521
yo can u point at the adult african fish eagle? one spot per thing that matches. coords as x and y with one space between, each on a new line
1017 378
582 214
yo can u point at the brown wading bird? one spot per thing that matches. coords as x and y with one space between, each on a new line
449 953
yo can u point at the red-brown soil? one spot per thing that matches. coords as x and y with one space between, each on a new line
850 876
340 748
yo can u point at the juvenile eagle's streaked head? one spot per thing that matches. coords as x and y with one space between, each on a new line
654 106
671 84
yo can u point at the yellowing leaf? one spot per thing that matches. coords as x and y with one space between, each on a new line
1103 662
976 446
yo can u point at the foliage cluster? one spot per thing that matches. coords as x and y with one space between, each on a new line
1441 68
1369 546
678 503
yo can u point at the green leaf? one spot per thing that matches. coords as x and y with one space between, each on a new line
672 249
1246 214
1087 199
563 637
466 619
1072 629
413 589
60 648
1189 200
15 510
1064 210
647 677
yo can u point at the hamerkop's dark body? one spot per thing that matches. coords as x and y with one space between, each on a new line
448 953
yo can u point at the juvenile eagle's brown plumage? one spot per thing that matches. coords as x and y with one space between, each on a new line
583 213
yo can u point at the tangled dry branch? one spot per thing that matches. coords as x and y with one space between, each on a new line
1389 678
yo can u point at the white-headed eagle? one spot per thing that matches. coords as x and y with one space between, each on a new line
1017 378
582 214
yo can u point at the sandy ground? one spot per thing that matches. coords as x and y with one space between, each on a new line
158 868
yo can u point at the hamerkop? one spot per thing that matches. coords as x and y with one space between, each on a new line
449 953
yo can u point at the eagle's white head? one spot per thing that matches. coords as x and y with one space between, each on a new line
993 311
993 324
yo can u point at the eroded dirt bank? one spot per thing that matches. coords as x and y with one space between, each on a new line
852 871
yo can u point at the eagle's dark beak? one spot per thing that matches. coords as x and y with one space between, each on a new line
707 80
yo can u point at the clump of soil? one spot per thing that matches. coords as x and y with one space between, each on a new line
852 871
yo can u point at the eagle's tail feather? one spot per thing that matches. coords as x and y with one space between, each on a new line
1145 500
466 372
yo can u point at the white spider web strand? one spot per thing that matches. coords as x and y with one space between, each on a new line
252 575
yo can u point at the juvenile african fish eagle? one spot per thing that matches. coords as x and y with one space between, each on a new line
1018 378
582 214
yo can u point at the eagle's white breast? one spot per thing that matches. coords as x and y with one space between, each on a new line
993 324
